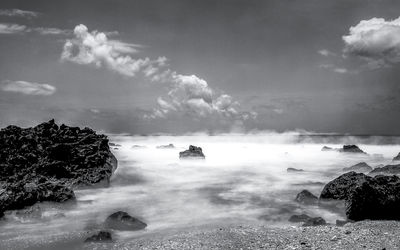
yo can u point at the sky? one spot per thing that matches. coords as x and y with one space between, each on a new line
179 66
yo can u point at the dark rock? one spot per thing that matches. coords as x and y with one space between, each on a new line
114 144
123 221
351 149
386 170
397 158
43 163
341 223
376 198
325 148
166 146
317 221
101 236
294 170
299 218
361 167
306 197
137 146
192 152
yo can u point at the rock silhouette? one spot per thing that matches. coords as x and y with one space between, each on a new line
192 152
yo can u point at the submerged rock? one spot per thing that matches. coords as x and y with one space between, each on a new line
397 158
299 218
192 152
166 146
351 149
306 197
43 163
386 170
294 170
124 222
100 237
376 198
317 221
361 167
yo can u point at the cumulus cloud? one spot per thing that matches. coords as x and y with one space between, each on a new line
375 40
28 88
18 13
12 28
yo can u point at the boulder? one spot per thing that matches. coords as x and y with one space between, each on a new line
361 167
43 163
351 149
306 197
397 158
102 236
317 221
375 198
386 170
192 152
124 222
299 218
294 170
169 146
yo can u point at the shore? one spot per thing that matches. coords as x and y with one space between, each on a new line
360 235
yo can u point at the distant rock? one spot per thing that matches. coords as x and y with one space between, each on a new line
137 146
294 170
361 167
169 146
102 236
192 152
114 144
317 221
43 163
375 198
397 158
299 218
341 223
325 148
124 222
351 149
306 197
386 170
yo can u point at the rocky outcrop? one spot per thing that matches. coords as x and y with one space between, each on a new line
102 236
386 170
294 170
192 152
306 197
124 222
366 197
311 222
361 167
45 162
397 158
351 149
169 146
299 218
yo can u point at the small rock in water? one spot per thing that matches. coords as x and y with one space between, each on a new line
294 170
101 236
361 167
192 152
351 149
166 146
124 222
317 221
306 197
299 218
325 148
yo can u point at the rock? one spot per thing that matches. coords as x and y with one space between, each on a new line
166 146
114 144
325 148
375 198
43 163
101 236
341 223
137 146
294 170
299 218
361 167
397 158
306 197
317 221
351 149
192 152
386 170
124 222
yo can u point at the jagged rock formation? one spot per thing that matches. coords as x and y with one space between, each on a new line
351 149
386 170
45 162
192 152
361 167
397 158
306 197
123 221
102 236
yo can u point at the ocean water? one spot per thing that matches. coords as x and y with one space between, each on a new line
243 178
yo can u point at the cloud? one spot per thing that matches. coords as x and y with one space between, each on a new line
336 69
52 31
12 28
376 41
28 88
18 13
325 52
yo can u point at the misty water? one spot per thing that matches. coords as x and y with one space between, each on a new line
243 178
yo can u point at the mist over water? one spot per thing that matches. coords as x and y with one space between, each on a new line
244 178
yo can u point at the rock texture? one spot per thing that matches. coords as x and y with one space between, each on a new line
317 221
306 197
45 162
361 167
100 237
351 149
123 221
299 218
192 152
397 158
376 198
386 170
